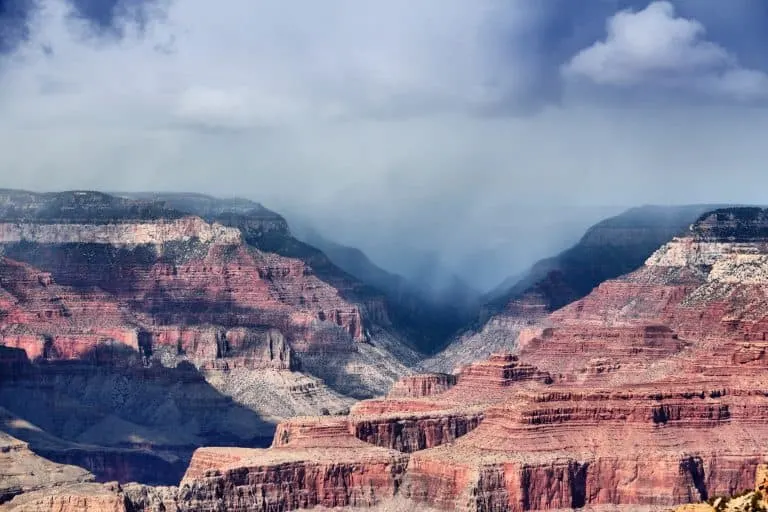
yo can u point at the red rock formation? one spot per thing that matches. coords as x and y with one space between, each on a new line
54 322
123 282
609 249
638 446
498 372
312 431
104 305
71 498
411 433
179 307
407 431
422 385
214 279
348 473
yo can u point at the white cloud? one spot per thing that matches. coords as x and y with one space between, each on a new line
655 47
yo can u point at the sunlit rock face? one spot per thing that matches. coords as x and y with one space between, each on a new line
648 392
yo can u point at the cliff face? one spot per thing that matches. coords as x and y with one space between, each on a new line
188 272
754 500
204 288
142 332
72 498
609 249
356 476
648 392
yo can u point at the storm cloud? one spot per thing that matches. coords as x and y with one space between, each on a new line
488 132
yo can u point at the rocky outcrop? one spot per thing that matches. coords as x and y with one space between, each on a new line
498 334
125 234
354 474
752 500
410 433
422 385
278 395
406 430
73 498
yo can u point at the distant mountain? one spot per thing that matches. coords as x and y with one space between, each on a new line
201 204
611 248
262 228
269 232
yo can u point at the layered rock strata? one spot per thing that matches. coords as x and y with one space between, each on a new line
425 412
171 277
346 474
72 498
649 392
419 386
176 274
132 333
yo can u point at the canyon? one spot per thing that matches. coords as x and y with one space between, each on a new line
157 359
645 394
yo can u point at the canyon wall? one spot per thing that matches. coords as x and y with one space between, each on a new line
132 333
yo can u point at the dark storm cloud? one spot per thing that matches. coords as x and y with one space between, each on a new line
14 23
110 17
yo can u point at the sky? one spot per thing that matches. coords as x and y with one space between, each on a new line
484 134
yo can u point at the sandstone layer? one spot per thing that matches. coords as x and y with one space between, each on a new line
72 498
